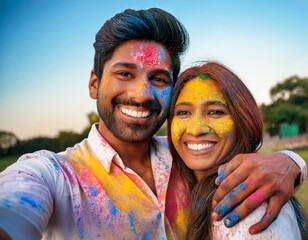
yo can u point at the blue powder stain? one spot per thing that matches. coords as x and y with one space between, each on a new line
29 201
146 236
112 209
221 175
241 186
93 191
222 210
161 52
56 166
131 221
231 220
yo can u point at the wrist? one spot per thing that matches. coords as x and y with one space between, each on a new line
298 168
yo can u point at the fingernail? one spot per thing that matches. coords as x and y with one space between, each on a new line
214 203
215 216
227 222
231 219
219 180
252 230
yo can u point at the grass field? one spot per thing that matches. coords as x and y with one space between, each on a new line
7 161
302 193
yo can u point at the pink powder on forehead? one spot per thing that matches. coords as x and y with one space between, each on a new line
150 54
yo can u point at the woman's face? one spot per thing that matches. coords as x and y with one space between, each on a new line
202 129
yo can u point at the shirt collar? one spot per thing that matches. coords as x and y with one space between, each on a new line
103 151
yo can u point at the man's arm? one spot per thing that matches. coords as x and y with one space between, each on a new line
251 179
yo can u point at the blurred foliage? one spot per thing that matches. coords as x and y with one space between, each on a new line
8 140
289 105
11 145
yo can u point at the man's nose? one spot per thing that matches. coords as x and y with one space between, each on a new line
143 91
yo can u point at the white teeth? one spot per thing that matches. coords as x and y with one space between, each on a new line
198 147
134 113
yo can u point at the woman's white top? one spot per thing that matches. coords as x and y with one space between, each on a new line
284 227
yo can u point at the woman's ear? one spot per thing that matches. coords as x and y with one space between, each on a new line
93 85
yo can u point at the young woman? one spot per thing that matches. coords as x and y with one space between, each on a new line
214 117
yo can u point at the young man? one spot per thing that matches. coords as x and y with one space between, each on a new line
114 183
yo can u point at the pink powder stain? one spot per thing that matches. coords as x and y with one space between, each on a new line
147 54
257 197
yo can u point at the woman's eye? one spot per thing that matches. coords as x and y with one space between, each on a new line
182 113
216 112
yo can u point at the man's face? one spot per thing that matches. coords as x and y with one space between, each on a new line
134 94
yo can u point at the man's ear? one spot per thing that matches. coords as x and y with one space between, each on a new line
93 85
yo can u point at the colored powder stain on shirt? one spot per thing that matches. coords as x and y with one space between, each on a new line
131 221
25 200
146 236
112 209
56 166
93 191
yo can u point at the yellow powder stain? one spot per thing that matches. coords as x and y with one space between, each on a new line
119 187
195 94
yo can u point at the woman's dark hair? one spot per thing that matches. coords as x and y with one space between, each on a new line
248 123
153 24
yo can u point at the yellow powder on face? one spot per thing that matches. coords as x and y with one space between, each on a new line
195 94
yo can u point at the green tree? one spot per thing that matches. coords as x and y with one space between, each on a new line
92 118
289 105
8 140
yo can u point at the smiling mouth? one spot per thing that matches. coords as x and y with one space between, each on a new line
199 147
134 113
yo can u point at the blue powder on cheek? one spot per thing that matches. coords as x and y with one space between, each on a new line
166 96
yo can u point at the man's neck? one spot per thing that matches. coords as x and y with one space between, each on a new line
135 156
132 154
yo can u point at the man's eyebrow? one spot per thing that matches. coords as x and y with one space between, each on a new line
163 71
125 64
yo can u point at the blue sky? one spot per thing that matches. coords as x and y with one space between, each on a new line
46 52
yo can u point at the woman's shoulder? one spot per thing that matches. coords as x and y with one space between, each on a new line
284 227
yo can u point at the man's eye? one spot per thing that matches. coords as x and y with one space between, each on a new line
125 74
160 80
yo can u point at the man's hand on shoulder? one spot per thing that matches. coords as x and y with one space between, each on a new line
247 181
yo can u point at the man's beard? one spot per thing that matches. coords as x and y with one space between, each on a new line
130 133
